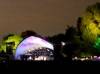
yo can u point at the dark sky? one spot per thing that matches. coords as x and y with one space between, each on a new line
46 17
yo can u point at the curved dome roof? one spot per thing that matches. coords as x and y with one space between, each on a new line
31 43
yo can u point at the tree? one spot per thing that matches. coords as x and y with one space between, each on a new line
89 29
90 23
28 33
70 33
56 41
10 41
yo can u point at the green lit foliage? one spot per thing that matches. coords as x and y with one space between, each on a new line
97 44
16 39
90 26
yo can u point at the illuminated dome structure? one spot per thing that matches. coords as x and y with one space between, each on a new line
34 48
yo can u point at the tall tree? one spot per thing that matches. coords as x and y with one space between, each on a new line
90 23
89 27
70 33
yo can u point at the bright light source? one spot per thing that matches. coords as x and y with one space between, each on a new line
63 43
95 56
99 57
41 58
30 58
75 58
82 59
86 58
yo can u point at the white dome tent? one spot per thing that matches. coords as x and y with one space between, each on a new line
31 44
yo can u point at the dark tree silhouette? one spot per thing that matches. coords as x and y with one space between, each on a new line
71 45
70 33
88 26
28 33
56 40
79 23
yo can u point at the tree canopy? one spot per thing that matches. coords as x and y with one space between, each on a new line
90 23
10 40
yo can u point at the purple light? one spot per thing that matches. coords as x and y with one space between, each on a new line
31 43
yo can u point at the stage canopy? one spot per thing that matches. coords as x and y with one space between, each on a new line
32 43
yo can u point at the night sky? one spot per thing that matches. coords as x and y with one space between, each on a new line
46 17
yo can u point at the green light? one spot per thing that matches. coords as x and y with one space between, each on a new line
97 44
